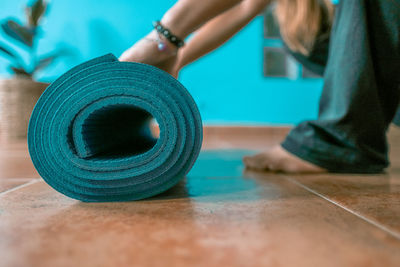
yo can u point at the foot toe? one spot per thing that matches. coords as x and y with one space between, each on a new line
256 162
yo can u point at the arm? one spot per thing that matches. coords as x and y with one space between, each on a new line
186 16
220 29
182 19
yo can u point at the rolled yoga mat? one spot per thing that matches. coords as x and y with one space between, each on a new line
89 134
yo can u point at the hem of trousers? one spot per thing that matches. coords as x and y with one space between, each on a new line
310 155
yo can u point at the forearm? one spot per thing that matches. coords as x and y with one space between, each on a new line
182 19
219 30
188 15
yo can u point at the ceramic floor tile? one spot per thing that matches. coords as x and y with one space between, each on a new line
17 166
243 137
217 217
375 197
10 183
208 220
15 161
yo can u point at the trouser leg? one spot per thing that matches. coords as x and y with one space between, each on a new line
361 91
396 119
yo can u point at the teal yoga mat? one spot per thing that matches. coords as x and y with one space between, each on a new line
89 135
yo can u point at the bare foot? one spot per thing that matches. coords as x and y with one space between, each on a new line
278 159
146 51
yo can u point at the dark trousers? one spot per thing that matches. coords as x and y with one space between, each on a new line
361 91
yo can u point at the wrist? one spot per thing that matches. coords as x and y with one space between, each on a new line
167 34
174 24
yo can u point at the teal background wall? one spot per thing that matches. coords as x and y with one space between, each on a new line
227 84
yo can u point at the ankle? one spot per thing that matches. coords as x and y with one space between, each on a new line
164 47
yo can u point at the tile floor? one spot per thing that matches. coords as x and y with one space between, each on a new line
219 216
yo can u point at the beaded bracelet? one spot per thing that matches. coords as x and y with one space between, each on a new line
175 40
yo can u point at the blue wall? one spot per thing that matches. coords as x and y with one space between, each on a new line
227 84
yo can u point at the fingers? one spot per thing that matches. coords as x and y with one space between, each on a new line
129 55
124 57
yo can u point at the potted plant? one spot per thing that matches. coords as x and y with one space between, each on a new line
19 94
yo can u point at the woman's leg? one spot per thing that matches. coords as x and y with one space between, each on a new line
359 100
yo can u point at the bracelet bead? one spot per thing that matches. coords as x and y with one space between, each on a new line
175 40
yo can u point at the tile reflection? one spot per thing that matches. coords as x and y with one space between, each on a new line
219 163
219 175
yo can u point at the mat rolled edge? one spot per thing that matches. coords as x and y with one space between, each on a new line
54 143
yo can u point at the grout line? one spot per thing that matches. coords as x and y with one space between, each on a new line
18 179
19 187
374 223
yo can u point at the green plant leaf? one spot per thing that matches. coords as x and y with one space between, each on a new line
21 72
18 32
7 51
44 62
35 12
11 54
47 59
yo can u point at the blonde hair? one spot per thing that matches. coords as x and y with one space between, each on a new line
301 22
